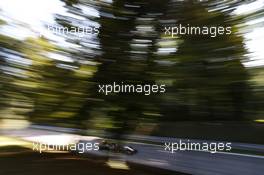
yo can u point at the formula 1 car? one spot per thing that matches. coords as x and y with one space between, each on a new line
116 148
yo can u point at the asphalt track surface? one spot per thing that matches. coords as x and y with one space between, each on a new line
191 162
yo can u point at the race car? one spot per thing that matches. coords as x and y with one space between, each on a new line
116 148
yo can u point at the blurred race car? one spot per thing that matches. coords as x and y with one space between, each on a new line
117 148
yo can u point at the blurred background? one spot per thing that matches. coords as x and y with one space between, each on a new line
214 86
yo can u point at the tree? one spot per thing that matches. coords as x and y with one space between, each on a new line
209 80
